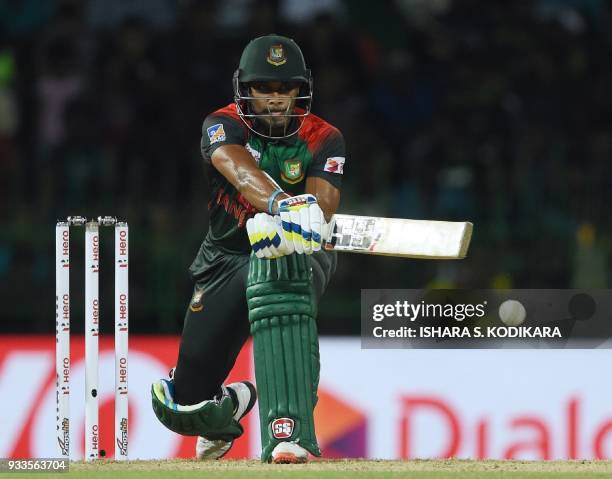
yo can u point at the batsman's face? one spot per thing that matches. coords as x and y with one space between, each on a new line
276 99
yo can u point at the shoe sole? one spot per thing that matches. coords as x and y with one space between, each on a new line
288 458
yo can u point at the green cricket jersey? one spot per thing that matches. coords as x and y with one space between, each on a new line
316 150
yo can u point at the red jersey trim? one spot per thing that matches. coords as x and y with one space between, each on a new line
315 131
229 110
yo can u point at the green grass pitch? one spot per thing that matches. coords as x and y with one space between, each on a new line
325 469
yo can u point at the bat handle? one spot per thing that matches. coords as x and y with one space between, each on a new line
327 231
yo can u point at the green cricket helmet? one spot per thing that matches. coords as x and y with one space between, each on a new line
272 58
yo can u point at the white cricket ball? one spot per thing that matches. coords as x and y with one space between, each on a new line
512 312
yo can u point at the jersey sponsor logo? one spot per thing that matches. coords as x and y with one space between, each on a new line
335 165
254 153
282 428
238 207
216 133
292 171
276 55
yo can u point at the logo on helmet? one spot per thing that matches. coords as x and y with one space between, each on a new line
276 55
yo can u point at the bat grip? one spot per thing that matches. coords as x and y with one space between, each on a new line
327 231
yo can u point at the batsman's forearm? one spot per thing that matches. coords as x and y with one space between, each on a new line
327 195
257 188
236 164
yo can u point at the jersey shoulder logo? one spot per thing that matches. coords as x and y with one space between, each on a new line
292 171
216 133
335 165
276 55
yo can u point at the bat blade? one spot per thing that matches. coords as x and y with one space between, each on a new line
398 237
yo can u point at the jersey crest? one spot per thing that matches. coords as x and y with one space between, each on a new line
292 171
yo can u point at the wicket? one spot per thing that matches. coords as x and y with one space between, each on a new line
92 321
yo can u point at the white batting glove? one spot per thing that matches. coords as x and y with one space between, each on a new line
266 237
302 222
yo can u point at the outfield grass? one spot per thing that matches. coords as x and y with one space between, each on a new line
414 469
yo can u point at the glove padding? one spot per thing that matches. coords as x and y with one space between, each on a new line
302 222
266 236
297 228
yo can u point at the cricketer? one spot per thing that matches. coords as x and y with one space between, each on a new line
275 172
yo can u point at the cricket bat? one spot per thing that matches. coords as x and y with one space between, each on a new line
398 237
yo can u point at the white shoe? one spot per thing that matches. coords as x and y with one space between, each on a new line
245 395
207 449
289 453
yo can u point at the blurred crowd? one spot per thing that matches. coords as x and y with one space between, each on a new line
491 111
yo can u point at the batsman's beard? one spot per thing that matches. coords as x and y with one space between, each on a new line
275 122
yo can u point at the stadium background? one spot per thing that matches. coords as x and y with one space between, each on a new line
494 112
